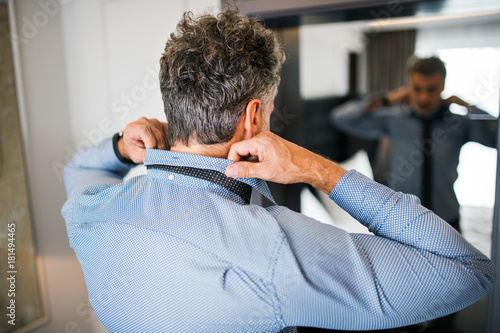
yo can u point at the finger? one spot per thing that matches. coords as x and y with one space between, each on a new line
161 139
139 135
138 155
246 170
149 137
149 134
238 150
250 158
157 130
132 134
245 150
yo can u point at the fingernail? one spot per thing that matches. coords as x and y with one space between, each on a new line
232 171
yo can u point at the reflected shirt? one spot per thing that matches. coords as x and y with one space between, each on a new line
166 252
448 132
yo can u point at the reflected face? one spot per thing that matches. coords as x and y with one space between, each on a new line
425 93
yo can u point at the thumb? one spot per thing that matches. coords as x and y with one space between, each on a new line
242 170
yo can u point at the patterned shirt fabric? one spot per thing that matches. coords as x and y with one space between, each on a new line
166 252
448 133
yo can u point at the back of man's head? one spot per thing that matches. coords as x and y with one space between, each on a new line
212 67
426 66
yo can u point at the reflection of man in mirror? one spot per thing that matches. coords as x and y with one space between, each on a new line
426 137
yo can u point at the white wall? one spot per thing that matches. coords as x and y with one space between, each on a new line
113 50
87 68
324 58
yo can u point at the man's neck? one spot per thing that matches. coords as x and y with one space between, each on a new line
436 113
219 150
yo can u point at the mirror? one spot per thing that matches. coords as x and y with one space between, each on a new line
469 46
473 67
318 36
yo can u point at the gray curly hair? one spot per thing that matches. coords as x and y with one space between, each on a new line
211 68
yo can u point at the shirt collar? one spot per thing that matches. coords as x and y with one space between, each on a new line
436 115
165 157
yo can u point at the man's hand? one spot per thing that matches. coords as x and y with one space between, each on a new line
269 157
456 100
141 134
398 96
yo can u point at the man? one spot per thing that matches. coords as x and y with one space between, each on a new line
426 137
181 249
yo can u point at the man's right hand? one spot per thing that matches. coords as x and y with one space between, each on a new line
141 134
270 157
400 96
456 100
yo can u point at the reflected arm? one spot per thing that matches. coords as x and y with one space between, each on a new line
482 131
360 119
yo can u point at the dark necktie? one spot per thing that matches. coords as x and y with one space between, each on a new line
427 166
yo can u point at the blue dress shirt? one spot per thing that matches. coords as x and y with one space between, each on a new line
449 132
166 252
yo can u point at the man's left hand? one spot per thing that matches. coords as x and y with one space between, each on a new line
456 100
141 134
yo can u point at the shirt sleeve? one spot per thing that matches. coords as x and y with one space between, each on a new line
414 268
351 119
93 167
483 131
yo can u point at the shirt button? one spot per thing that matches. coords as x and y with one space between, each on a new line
171 177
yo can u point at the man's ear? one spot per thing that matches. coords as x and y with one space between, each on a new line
253 118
